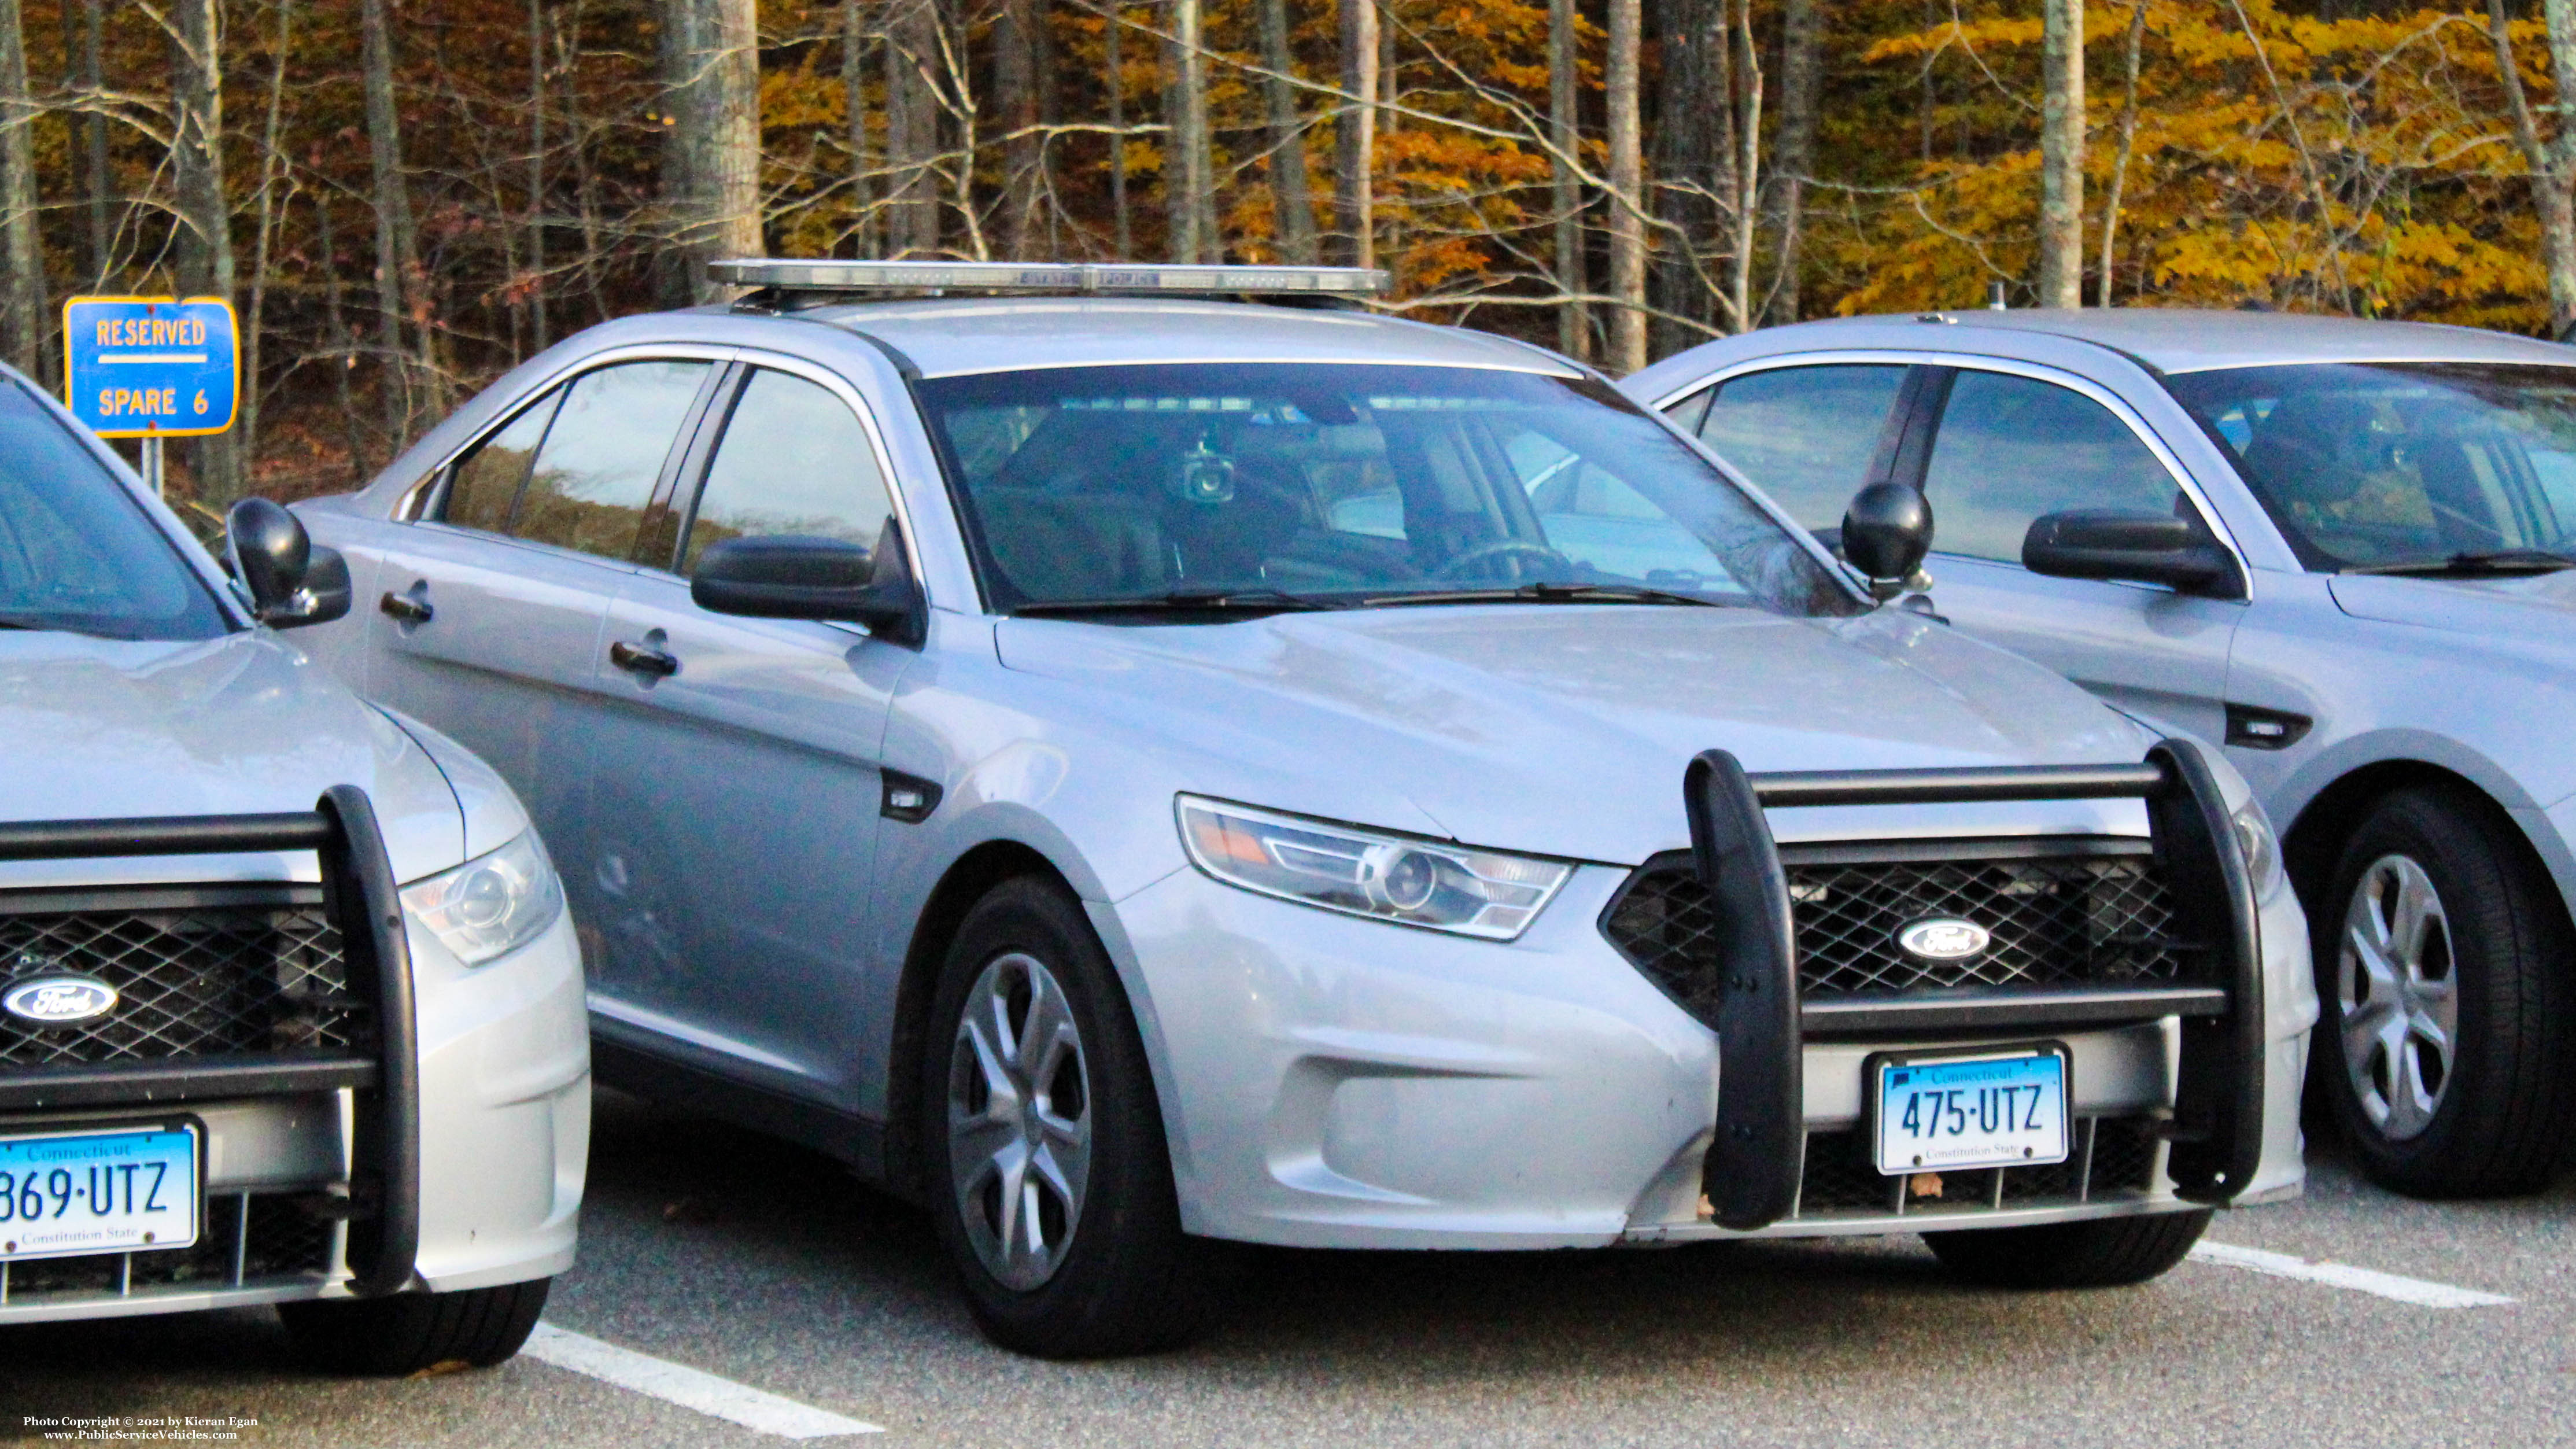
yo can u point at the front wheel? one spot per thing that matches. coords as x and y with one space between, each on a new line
1049 1178
2094 1253
408 1332
2446 1045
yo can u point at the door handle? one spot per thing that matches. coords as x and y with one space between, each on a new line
640 659
406 608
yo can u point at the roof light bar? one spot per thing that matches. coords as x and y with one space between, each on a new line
1083 277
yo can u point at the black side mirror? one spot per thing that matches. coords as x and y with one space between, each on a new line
798 576
1885 534
2105 543
291 582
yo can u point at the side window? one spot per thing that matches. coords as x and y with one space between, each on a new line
596 469
793 459
2013 448
486 483
1804 435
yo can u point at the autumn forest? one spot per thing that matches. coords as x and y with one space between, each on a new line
404 197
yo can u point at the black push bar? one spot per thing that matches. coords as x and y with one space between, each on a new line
361 897
1751 1175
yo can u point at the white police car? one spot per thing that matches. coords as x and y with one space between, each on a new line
1145 771
289 1010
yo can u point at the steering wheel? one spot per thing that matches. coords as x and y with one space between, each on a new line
1501 548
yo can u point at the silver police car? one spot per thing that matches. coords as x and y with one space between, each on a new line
2346 548
1142 771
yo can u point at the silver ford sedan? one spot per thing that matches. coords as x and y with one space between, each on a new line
2346 548
1145 772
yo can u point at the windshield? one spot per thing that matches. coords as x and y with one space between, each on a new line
76 554
2369 465
1339 484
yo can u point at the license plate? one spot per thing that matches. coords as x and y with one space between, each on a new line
98 1192
2005 1109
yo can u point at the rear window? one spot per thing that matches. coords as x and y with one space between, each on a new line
77 553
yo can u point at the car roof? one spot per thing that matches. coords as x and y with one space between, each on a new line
951 337
2182 339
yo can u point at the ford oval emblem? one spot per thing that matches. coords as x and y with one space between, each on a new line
1944 938
59 1000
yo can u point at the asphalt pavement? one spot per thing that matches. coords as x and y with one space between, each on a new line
710 1249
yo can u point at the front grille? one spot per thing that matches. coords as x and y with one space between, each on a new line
2113 1158
250 1239
2076 918
193 980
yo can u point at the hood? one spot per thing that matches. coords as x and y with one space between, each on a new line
100 729
2541 604
1564 730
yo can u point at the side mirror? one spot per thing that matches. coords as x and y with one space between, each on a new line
798 576
291 582
1885 534
2104 543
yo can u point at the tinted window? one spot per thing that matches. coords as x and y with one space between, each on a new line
596 469
76 551
2391 463
486 484
1110 483
1804 435
793 460
2013 448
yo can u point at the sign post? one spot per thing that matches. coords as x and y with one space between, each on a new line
151 368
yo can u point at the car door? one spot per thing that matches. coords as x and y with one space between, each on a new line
1813 434
488 623
2010 446
737 791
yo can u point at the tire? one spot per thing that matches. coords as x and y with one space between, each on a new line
1108 1271
2094 1253
2489 969
409 1332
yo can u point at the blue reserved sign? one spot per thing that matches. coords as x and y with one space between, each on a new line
151 367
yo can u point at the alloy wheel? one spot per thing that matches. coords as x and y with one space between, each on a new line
1019 1121
2397 987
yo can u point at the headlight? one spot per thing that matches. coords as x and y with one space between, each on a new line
1390 878
491 905
2262 849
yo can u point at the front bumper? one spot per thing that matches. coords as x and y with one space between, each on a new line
298 1169
1332 1082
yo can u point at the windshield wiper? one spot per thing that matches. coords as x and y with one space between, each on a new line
1547 593
1184 601
2492 561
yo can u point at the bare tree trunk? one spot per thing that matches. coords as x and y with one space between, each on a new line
1292 199
537 174
335 328
2061 154
1564 135
1355 138
1694 164
1015 83
1802 53
1188 173
2128 144
854 104
1747 169
1627 177
22 258
712 177
102 181
912 127
205 207
1120 218
254 331
2552 163
396 259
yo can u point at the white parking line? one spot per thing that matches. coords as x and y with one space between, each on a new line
2344 1275
687 1387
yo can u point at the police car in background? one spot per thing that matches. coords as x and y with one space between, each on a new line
1141 770
289 1010
2346 548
